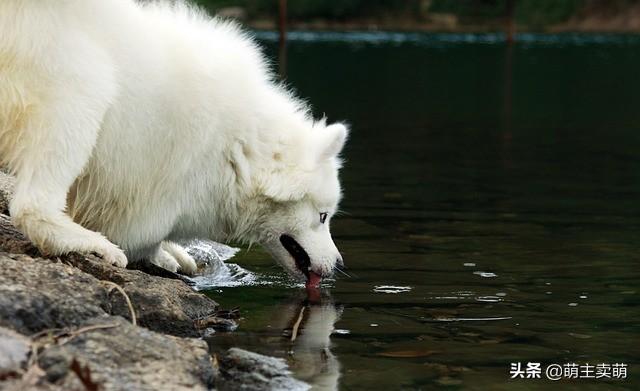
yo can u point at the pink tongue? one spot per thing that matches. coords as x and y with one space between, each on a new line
314 281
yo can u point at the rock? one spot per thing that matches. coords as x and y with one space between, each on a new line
37 294
14 351
126 357
109 353
13 241
6 192
161 304
241 369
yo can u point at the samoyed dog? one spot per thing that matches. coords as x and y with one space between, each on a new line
130 126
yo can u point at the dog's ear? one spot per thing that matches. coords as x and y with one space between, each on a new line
287 181
331 140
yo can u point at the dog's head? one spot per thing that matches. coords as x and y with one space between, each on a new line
299 188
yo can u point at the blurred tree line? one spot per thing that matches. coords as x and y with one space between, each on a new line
528 12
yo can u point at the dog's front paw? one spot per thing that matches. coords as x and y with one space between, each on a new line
111 254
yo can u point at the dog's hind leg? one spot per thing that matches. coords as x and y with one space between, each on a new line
52 145
165 260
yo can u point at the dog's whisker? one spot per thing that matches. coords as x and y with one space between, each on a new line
342 271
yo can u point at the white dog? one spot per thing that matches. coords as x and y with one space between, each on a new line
131 125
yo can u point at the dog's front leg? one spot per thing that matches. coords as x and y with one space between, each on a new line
52 143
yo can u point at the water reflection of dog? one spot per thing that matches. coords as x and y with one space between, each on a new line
307 323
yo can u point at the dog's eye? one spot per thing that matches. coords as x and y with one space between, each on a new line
323 217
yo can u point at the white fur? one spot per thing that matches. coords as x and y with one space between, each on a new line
178 257
129 124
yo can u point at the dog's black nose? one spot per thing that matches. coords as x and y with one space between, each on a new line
340 262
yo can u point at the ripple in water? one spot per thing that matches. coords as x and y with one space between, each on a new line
489 299
447 319
391 289
485 274
216 272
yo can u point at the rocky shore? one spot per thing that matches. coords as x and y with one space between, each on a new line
75 323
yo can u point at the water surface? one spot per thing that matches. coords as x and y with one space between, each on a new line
490 216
